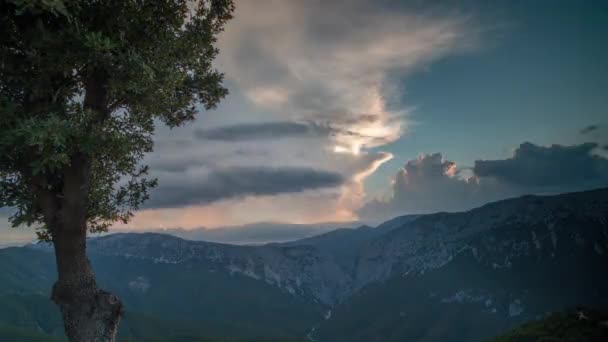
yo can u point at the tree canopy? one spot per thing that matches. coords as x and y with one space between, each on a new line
83 83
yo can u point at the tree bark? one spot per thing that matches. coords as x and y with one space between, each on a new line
89 313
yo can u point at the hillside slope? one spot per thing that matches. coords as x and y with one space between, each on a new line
439 277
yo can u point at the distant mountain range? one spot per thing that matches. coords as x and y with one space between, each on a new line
257 233
440 277
249 234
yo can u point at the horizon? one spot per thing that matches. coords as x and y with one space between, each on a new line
414 109
256 233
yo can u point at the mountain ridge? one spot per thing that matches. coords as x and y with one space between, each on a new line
410 244
496 264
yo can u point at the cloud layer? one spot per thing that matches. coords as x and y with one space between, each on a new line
329 61
554 166
239 182
261 131
310 84
430 183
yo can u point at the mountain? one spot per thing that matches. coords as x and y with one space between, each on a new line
257 233
440 277
345 244
249 234
467 276
13 236
174 298
572 325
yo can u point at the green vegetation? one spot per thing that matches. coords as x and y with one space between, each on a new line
410 308
13 334
401 309
83 85
25 318
183 303
195 338
582 325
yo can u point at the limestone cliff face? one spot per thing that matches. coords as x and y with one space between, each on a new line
330 268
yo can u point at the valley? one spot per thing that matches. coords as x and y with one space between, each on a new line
440 277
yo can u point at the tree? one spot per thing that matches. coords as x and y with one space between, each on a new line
82 85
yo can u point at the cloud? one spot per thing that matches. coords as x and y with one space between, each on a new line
430 183
239 182
553 166
290 129
589 129
331 60
424 185
323 204
310 85
308 207
265 130
353 192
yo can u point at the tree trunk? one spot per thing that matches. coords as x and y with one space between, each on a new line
89 313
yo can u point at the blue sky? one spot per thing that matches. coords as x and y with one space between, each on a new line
539 75
362 110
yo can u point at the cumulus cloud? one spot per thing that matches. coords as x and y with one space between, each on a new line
425 185
430 183
239 182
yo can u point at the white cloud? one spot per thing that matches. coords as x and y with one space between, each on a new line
319 62
329 61
430 183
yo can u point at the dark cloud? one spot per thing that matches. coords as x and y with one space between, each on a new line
589 129
553 166
240 182
430 183
173 161
283 129
173 166
257 64
260 131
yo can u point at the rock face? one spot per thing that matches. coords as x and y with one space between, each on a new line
469 276
440 277
495 234
330 268
299 270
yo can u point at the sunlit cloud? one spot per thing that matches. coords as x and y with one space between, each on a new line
310 83
431 183
330 61
306 208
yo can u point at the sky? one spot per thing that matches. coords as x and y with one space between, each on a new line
363 110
